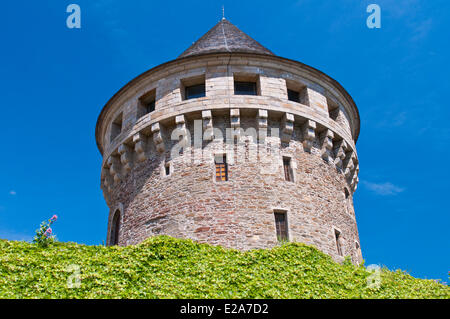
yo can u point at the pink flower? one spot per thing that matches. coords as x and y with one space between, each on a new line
54 217
48 231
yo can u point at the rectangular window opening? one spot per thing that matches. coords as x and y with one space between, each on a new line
116 127
246 84
147 103
167 169
333 109
288 173
297 92
195 91
150 107
221 168
245 88
281 225
193 88
293 96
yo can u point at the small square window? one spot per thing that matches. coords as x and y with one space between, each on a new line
297 92
245 88
116 127
193 87
333 109
194 91
293 96
147 103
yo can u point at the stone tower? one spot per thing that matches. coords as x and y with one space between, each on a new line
232 145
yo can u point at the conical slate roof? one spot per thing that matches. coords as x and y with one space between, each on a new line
225 37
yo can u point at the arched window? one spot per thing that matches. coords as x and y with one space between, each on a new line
115 228
338 238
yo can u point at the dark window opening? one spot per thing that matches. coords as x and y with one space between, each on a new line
281 226
245 88
116 127
115 228
221 168
347 194
297 92
337 235
167 169
150 107
293 96
194 91
288 174
147 103
333 109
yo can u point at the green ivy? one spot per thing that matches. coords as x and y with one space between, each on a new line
164 267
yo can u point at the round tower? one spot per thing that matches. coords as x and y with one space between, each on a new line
232 145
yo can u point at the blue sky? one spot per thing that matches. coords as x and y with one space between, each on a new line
54 82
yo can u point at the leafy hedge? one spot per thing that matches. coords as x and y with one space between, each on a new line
164 267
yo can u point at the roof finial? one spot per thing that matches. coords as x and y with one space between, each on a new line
223 12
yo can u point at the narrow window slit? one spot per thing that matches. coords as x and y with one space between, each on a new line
281 226
288 173
337 235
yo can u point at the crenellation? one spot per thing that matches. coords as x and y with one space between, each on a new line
262 118
140 141
317 101
326 138
354 174
272 86
207 125
351 167
235 118
106 180
349 170
182 133
114 168
287 127
125 157
349 154
309 134
157 137
340 148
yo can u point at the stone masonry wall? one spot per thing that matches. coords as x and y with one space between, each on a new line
238 213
